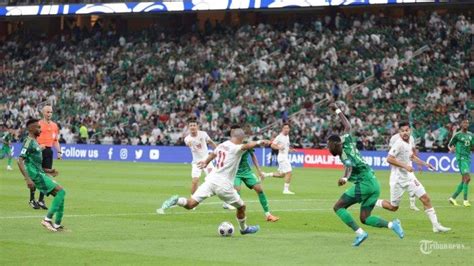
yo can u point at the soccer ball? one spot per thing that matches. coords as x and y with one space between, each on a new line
225 229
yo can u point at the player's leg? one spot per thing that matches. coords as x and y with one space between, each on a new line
370 191
33 204
47 163
396 193
47 186
195 175
467 180
252 182
349 198
204 191
229 195
56 210
431 213
9 155
413 204
464 169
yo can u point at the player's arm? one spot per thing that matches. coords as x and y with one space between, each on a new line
419 161
21 166
253 144
211 143
344 120
257 166
58 147
452 143
210 157
393 161
51 172
276 146
347 173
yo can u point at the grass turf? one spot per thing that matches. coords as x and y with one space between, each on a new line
110 212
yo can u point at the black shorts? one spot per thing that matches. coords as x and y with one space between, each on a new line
47 158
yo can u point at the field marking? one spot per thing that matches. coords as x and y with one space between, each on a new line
179 213
154 213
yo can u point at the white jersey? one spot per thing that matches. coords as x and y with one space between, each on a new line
284 141
402 151
227 163
397 136
198 145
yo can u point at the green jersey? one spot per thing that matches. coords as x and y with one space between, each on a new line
463 143
32 153
7 138
244 166
351 158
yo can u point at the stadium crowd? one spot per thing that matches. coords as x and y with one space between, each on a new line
140 88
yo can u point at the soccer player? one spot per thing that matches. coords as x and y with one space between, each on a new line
36 177
462 143
403 179
246 176
197 142
282 144
394 139
220 181
366 188
48 138
6 150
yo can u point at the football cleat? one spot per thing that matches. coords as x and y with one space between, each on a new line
251 229
397 228
359 239
453 202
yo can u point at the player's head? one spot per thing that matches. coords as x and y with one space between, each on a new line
193 125
33 127
335 145
285 129
465 124
47 112
404 130
237 135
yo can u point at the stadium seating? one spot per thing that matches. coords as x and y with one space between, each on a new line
140 88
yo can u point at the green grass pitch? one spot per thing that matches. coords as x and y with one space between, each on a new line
110 211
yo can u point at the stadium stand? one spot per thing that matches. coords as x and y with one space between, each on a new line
140 87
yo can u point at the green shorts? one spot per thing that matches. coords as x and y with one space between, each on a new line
44 183
366 193
249 179
464 166
5 151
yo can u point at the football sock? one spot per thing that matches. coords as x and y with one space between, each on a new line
32 194
41 197
242 223
263 201
432 215
458 190
412 201
346 217
55 205
287 186
359 231
376 221
10 159
379 203
465 190
60 212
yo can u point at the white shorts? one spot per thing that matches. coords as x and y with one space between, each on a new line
284 166
413 187
196 172
226 193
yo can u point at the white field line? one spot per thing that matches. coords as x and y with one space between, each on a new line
206 212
